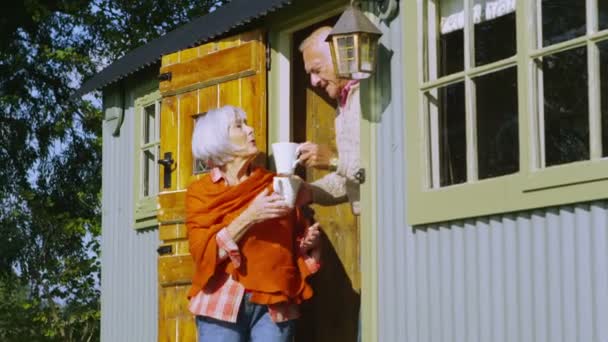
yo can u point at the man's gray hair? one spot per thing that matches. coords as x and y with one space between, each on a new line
318 36
210 138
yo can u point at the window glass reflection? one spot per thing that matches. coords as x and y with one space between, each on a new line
602 6
562 20
149 123
495 39
450 54
497 124
566 107
148 168
603 47
452 134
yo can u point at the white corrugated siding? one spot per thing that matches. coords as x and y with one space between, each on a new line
537 276
129 296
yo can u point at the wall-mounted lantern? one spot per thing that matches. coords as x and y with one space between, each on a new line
354 45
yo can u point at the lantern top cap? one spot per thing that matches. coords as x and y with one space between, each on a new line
353 21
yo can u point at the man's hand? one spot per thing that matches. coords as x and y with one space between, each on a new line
315 155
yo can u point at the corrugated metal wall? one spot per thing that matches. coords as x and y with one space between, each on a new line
129 296
537 276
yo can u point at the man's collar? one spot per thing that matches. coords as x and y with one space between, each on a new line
344 92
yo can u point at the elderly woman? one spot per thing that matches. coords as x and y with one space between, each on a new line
252 252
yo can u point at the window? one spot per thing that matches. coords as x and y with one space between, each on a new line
471 98
147 149
510 99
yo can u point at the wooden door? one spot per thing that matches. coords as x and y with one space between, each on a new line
332 314
230 71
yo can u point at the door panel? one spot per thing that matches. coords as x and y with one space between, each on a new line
228 72
168 140
188 104
229 62
332 315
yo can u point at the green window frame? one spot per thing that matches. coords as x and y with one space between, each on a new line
147 149
536 183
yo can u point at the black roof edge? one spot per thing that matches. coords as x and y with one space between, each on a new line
219 22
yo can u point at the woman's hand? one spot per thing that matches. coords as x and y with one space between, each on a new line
267 206
312 238
311 243
264 207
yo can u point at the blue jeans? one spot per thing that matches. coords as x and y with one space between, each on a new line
253 324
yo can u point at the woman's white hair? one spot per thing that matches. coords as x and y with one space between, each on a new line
210 138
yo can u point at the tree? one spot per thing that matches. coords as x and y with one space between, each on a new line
50 152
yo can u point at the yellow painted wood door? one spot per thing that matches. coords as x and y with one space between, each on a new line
231 71
332 314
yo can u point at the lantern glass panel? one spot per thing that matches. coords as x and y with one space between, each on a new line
347 59
366 53
333 47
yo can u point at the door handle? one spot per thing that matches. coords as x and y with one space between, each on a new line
167 162
164 250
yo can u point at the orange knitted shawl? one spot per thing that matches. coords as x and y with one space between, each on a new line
271 267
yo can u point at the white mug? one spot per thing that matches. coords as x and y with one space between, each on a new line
288 187
285 157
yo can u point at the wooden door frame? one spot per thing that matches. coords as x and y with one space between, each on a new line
279 127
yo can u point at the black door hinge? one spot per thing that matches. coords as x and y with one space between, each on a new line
165 76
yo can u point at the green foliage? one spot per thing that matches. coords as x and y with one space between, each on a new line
50 152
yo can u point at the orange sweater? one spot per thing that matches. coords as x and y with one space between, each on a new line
271 267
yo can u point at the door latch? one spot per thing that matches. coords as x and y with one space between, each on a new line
164 250
360 176
167 163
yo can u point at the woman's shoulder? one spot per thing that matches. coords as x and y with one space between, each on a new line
207 185
204 182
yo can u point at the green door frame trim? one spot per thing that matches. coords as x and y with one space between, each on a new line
279 124
368 225
532 187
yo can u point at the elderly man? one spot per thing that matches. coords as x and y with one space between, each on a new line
343 183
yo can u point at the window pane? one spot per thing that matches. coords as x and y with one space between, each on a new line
199 167
450 54
452 135
603 14
495 38
566 107
562 20
149 123
603 46
149 165
497 124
